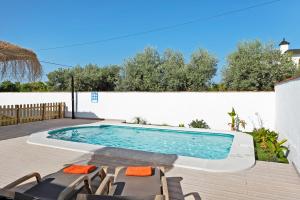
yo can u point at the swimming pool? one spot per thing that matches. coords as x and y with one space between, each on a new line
180 142
200 149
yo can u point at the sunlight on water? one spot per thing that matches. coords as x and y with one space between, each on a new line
183 143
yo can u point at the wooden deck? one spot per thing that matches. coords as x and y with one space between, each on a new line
19 130
264 181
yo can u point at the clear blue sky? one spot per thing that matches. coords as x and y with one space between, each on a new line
39 24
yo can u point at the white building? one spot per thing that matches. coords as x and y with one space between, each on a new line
295 53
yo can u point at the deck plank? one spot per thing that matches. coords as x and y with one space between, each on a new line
265 181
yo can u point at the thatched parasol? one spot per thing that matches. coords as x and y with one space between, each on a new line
18 63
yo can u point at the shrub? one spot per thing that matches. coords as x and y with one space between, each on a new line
139 120
267 146
165 124
34 87
199 124
181 125
8 86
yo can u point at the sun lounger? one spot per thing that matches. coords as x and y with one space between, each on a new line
108 197
122 187
56 186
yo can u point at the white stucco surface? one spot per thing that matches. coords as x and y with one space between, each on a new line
296 59
170 108
288 116
283 48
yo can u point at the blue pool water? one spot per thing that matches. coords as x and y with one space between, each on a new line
183 143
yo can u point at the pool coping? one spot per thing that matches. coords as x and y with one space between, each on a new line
240 157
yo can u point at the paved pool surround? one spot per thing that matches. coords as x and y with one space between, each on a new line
240 157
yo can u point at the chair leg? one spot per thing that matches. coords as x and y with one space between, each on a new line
165 189
102 174
87 186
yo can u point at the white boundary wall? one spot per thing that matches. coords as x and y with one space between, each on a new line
288 116
170 108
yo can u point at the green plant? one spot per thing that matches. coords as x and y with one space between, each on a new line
164 124
181 125
268 147
8 86
279 149
232 114
139 120
264 136
199 124
256 66
236 122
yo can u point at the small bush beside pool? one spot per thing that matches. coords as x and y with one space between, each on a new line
268 147
266 143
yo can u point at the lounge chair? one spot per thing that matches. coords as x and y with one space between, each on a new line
122 187
109 197
56 186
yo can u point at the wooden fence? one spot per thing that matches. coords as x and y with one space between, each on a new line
15 114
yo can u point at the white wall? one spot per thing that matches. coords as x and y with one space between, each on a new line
287 119
283 48
296 59
279 110
171 108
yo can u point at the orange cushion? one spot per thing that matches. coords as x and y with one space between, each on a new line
139 171
79 169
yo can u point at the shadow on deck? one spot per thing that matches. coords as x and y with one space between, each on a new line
114 157
20 130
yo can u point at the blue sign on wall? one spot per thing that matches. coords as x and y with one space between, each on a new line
94 97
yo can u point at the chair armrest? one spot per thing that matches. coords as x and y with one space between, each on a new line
164 185
64 194
23 179
101 173
195 195
159 197
162 170
105 185
86 180
7 193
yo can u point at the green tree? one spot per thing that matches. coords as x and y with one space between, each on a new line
217 87
142 72
93 77
200 70
173 71
109 77
59 80
256 66
87 78
146 71
34 87
8 86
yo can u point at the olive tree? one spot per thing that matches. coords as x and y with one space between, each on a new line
256 66
59 80
141 73
87 78
173 71
201 70
148 71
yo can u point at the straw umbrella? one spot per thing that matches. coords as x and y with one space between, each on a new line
18 63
